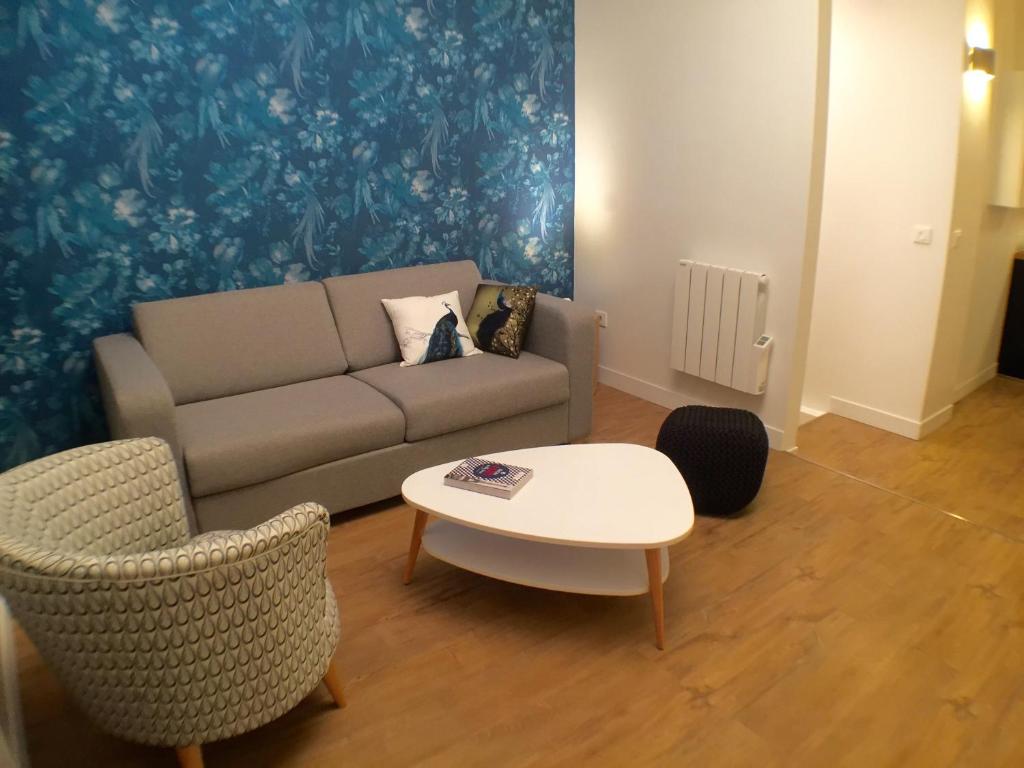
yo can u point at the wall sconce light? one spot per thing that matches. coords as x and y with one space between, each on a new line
981 63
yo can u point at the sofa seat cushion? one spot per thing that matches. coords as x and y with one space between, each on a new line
236 441
450 395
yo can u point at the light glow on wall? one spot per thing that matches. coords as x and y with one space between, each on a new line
976 86
978 35
591 206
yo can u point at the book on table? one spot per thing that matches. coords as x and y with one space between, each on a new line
494 478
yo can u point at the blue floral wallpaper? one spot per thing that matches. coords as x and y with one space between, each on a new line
156 149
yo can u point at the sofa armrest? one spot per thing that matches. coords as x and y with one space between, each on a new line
564 331
136 398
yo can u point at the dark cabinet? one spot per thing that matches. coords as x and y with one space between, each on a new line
1011 353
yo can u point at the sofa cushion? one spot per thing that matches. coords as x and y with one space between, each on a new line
232 442
430 328
226 343
464 392
500 317
363 324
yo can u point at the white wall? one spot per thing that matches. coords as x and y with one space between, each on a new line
972 191
1000 231
894 113
697 126
1001 236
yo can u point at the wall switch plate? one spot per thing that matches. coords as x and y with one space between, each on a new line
923 235
602 318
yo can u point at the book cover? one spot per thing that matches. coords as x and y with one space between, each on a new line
494 478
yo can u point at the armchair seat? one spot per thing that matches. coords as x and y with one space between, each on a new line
159 638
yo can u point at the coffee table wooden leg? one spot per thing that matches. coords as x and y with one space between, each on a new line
414 543
657 594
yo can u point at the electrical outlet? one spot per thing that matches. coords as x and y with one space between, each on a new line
602 318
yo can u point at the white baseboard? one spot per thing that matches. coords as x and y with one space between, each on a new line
809 414
666 398
938 419
984 376
891 422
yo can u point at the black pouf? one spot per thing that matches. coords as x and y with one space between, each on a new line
721 454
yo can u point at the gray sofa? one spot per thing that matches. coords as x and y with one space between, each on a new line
271 397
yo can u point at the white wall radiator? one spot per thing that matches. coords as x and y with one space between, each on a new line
718 326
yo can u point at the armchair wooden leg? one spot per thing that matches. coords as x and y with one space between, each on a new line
333 682
190 756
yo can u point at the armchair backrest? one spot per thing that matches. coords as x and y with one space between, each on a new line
105 499
183 644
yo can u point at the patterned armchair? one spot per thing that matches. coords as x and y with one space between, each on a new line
161 639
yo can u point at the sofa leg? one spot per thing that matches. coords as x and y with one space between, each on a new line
190 756
333 682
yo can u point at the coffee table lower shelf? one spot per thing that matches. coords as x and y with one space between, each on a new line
559 567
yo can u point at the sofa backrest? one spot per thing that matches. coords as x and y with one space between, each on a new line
363 323
227 343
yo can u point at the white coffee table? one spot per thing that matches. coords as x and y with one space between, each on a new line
595 519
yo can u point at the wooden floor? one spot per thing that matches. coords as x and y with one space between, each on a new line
973 466
835 624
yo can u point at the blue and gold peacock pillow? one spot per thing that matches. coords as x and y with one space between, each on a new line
430 328
500 317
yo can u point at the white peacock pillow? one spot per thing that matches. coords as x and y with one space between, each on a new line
430 328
